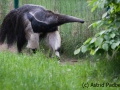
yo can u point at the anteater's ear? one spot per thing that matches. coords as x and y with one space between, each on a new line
29 16
32 16
37 25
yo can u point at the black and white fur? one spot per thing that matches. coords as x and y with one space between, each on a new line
29 23
41 28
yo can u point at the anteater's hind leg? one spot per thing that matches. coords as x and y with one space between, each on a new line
54 41
32 38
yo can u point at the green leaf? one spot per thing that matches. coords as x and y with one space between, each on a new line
104 15
118 42
117 24
93 40
114 45
105 46
84 49
93 24
112 41
102 32
87 41
118 1
93 52
106 37
99 41
77 51
90 25
112 35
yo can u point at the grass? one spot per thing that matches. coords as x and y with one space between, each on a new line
37 72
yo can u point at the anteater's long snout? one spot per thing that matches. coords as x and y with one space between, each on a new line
68 19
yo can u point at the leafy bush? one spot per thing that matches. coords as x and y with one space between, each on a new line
108 40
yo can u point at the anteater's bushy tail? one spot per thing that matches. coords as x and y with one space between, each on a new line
7 29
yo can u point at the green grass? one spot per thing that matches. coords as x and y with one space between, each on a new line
37 72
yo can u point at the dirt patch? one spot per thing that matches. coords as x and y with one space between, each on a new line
4 47
65 60
72 62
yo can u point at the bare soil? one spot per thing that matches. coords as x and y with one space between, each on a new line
4 47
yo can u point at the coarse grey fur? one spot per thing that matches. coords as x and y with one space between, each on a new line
29 22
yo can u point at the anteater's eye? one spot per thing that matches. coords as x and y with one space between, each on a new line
63 19
56 17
